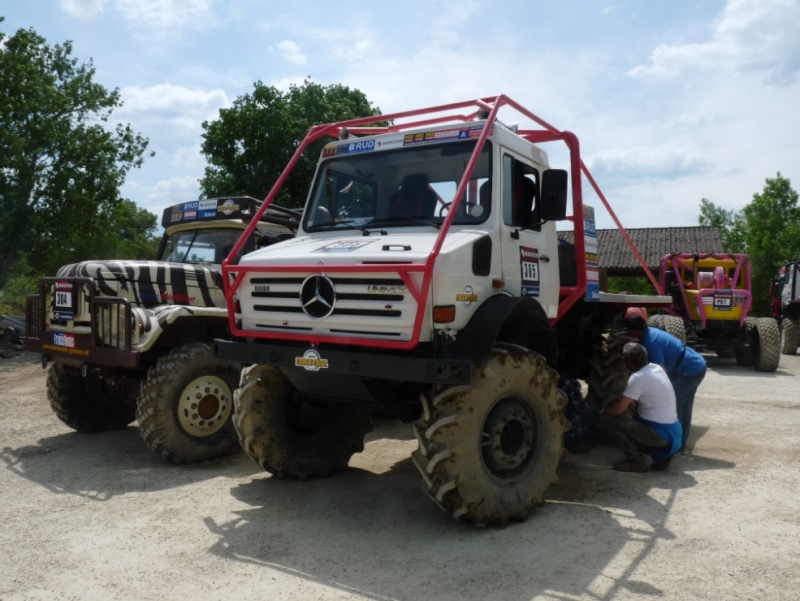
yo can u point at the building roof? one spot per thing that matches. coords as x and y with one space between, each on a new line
616 257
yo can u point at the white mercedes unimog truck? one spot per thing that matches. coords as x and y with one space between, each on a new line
427 282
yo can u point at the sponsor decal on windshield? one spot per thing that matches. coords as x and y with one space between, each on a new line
228 207
444 135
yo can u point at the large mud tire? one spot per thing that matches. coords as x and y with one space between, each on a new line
672 324
185 405
608 374
292 436
88 404
789 335
768 354
488 451
676 326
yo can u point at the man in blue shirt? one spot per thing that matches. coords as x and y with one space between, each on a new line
685 367
654 428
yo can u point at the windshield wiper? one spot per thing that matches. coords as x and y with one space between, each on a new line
402 218
351 223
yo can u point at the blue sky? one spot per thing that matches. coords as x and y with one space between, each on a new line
673 101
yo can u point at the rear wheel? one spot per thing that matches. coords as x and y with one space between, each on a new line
293 436
789 334
185 404
768 353
488 451
89 404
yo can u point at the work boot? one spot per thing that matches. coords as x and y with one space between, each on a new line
629 466
660 466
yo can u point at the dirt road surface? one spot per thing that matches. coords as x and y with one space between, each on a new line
99 518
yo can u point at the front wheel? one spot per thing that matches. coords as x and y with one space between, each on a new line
88 404
488 451
789 336
294 436
185 404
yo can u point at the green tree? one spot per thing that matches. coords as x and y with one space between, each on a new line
61 164
249 145
772 235
731 225
767 229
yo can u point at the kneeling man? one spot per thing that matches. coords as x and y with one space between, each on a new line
653 432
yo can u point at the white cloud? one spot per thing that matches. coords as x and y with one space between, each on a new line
175 189
188 158
291 52
164 13
750 35
668 162
169 97
83 9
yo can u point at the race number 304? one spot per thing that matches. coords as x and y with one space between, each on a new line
63 299
63 295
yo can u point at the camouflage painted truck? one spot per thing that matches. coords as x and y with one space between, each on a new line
132 340
426 281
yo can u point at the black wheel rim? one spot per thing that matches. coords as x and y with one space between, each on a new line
509 438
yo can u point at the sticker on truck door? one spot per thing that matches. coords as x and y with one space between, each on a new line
529 271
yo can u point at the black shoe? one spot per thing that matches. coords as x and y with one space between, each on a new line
660 466
629 466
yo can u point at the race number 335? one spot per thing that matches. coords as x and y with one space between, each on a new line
529 264
530 271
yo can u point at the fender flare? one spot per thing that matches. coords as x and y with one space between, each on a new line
512 319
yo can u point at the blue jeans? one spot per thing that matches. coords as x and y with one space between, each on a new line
685 389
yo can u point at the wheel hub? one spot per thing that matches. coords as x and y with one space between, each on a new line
508 438
204 406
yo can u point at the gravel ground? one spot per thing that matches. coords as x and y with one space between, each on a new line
98 517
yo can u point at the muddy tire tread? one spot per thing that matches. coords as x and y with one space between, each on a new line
448 456
260 420
156 404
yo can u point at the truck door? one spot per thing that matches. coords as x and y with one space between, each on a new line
530 257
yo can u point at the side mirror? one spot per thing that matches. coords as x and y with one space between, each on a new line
553 205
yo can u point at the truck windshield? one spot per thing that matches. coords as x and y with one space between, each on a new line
200 246
407 186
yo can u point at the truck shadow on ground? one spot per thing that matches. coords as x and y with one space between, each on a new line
378 536
106 465
729 368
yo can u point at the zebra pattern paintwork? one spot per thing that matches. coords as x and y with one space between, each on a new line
153 283
160 293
